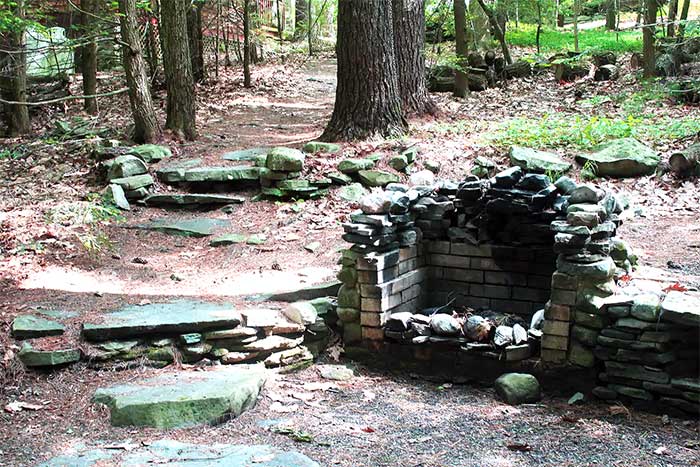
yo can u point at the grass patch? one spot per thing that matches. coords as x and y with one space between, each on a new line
583 132
591 39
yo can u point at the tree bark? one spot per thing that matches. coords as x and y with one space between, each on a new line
648 38
88 63
14 81
194 33
611 15
497 30
178 69
246 44
367 100
683 18
409 43
461 47
672 13
146 129
577 11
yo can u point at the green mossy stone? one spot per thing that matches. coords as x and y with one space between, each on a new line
624 157
133 183
518 388
198 227
348 297
353 166
532 160
348 276
252 154
285 160
377 178
398 163
126 166
228 239
352 193
30 326
183 399
349 315
31 357
150 152
314 147
339 178
256 239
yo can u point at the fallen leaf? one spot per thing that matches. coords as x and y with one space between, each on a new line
281 408
368 429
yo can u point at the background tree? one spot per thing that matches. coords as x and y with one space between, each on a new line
180 106
409 42
498 30
14 73
196 40
88 62
461 47
648 38
683 18
672 13
246 44
367 100
611 15
146 127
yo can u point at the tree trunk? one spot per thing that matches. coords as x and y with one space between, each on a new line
246 44
462 47
88 63
686 162
672 13
539 25
683 18
146 129
309 32
611 15
577 11
196 43
409 43
300 19
14 82
497 30
178 69
648 38
367 100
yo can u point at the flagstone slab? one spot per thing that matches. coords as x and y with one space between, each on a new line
180 317
178 454
32 357
198 227
168 200
30 326
184 398
251 154
208 174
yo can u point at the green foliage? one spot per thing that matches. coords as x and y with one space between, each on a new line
12 154
584 132
590 39
589 170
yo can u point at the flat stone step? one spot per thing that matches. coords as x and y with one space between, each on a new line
167 200
30 326
32 357
184 398
176 453
209 174
185 227
181 317
251 154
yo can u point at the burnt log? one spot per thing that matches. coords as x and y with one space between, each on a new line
569 72
606 73
476 60
519 69
686 162
477 81
604 58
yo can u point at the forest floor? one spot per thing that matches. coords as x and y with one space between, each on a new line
43 263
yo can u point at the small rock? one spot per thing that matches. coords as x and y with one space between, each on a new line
444 325
336 372
398 163
423 178
301 313
312 247
576 398
377 202
518 388
433 166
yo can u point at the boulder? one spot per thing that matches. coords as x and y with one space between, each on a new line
184 398
353 166
377 202
353 192
376 178
301 313
126 166
313 147
116 195
625 157
399 162
335 372
32 357
150 152
285 160
423 178
445 325
518 388
30 327
134 182
537 161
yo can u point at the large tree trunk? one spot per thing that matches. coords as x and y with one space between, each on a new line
409 43
648 33
194 28
299 18
497 30
14 78
461 47
367 101
611 15
246 44
683 18
146 127
88 63
178 69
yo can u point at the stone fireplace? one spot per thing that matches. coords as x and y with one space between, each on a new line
514 268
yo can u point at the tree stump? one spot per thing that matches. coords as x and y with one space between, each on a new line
606 73
519 69
686 162
569 72
604 58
